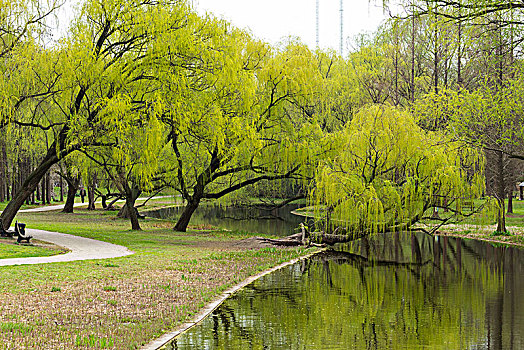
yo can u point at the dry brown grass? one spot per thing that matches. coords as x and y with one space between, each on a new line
126 302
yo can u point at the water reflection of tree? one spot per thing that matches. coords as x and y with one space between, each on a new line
394 292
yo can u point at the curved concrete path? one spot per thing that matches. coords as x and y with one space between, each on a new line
75 205
80 249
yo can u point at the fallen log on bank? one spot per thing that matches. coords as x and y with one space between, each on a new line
318 239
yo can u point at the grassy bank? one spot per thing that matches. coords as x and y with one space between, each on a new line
10 249
125 302
472 228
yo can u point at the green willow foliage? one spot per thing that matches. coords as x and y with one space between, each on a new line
387 173
151 92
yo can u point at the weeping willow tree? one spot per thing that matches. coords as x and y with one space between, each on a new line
234 121
387 174
109 54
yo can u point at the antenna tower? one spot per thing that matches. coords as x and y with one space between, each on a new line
318 22
341 27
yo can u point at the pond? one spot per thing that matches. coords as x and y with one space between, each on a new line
279 221
395 291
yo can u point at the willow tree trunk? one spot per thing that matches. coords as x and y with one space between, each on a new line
61 189
128 211
132 213
43 191
29 185
48 190
91 197
72 187
183 221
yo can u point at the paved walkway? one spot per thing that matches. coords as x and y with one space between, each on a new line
80 249
49 208
61 206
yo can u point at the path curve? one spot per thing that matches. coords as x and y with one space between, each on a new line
81 248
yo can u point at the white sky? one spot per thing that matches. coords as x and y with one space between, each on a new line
273 20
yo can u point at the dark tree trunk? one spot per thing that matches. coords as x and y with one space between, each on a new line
42 192
111 204
30 183
3 171
104 201
39 195
91 196
183 221
500 193
30 169
26 169
8 191
61 189
132 213
128 211
14 178
510 202
47 180
72 187
122 213
22 170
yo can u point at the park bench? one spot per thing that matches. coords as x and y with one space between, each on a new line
19 231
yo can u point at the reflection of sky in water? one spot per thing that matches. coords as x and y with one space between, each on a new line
395 292
278 222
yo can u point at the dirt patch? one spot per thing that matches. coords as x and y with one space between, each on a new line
250 243
50 246
254 243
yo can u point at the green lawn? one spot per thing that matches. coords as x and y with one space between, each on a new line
121 303
9 249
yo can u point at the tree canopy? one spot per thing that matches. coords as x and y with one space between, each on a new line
152 94
386 174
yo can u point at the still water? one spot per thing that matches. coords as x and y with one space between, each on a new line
393 292
280 221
